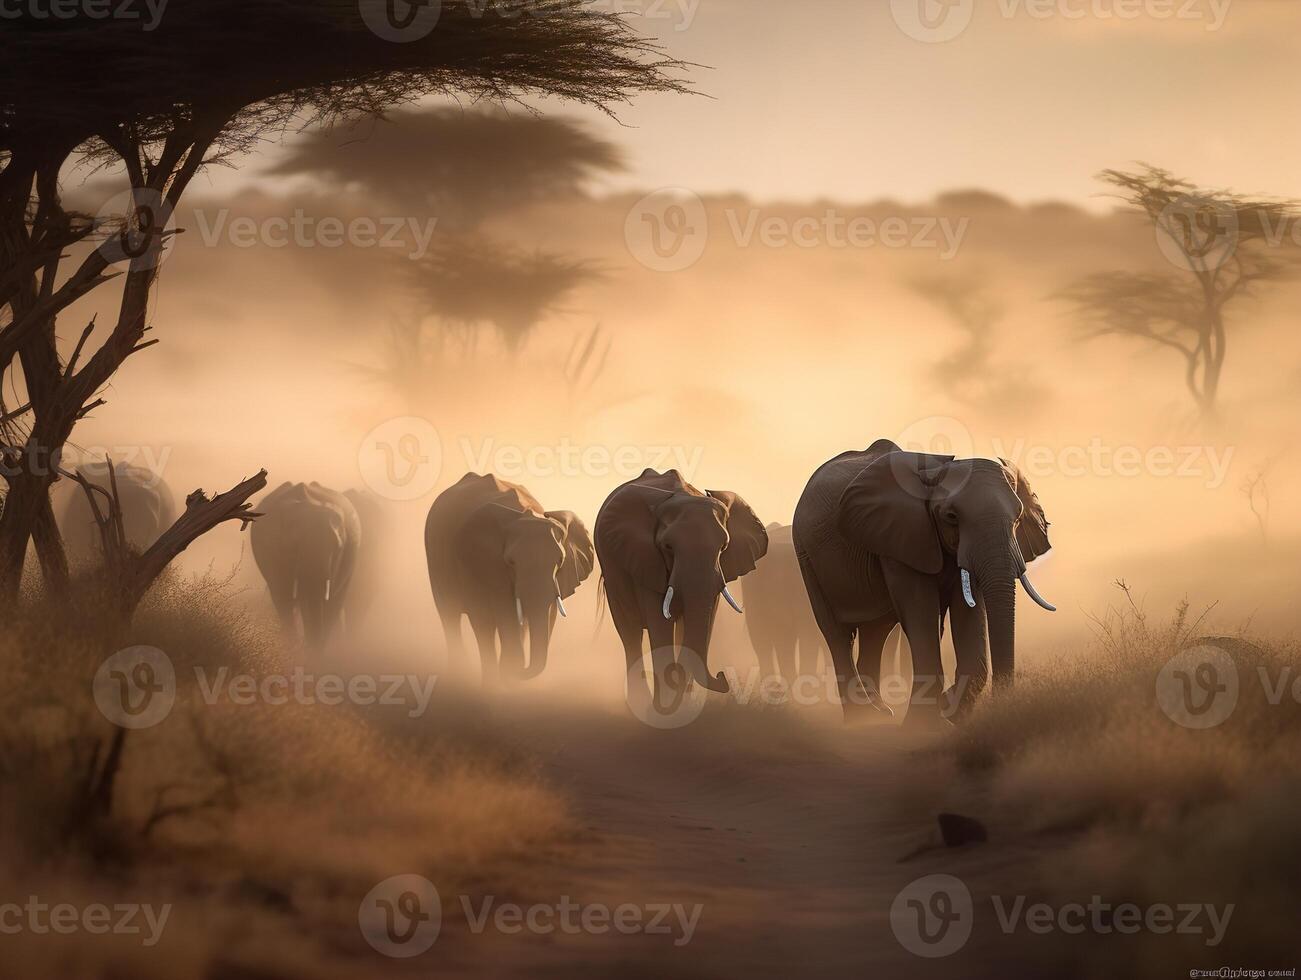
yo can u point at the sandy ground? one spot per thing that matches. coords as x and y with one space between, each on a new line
790 832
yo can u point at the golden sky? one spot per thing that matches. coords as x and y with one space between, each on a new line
832 98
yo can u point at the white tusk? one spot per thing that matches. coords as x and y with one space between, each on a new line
1030 589
327 590
519 611
560 607
966 589
668 601
730 601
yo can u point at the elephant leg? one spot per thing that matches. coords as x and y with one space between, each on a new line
667 685
626 614
871 641
918 604
331 616
312 610
970 647
810 654
282 596
765 654
785 655
485 635
450 615
840 641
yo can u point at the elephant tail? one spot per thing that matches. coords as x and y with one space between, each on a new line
601 603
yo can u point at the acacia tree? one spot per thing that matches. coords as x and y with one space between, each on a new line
975 373
461 165
208 81
471 282
1220 246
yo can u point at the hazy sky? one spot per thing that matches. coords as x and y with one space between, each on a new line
832 98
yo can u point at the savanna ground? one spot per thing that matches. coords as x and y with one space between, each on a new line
264 826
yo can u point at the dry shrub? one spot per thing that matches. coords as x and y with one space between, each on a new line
265 824
1154 812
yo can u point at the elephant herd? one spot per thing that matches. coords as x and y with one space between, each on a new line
881 538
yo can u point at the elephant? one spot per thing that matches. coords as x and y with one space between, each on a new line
496 556
368 568
305 545
778 618
667 554
148 509
886 537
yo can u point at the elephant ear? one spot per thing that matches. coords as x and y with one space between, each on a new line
481 541
580 556
886 509
1032 529
625 535
747 537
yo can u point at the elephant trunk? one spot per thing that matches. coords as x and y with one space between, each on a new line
996 575
538 617
699 603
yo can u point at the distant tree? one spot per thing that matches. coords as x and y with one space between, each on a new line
469 283
1255 488
973 374
463 165
1219 243
211 79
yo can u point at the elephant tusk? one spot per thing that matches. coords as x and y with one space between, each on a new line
1030 590
327 590
730 601
966 589
668 601
560 607
519 611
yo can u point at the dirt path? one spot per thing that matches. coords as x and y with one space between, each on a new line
788 836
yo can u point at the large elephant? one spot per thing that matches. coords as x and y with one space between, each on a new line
305 545
148 509
496 556
888 537
778 618
667 553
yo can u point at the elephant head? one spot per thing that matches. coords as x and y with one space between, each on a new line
917 509
317 537
686 548
529 564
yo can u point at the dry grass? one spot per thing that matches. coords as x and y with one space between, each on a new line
264 825
1130 805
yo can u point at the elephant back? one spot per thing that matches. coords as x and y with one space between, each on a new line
456 506
148 508
287 507
816 514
